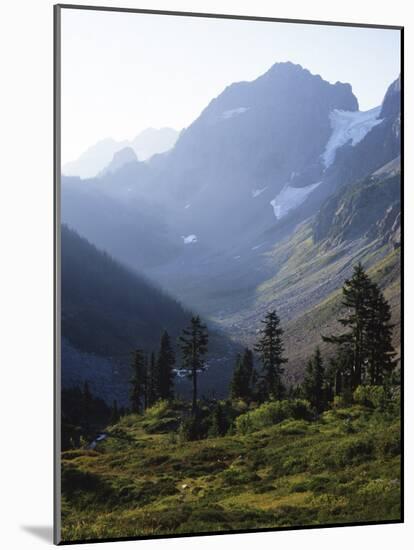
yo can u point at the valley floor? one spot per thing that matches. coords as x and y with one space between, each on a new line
143 480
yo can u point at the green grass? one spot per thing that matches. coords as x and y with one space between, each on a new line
344 467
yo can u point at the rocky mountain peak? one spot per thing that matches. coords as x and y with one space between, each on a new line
391 105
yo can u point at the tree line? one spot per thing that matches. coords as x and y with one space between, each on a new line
362 355
153 375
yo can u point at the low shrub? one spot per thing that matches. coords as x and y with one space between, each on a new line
319 484
156 460
300 487
294 427
272 413
162 425
294 465
238 476
244 424
159 409
389 442
86 488
146 492
192 428
353 451
339 402
74 480
371 396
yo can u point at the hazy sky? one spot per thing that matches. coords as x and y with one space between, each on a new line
124 72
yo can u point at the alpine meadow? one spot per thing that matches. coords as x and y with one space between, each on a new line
230 346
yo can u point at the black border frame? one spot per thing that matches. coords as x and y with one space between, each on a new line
57 8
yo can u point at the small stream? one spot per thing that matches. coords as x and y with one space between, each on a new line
98 438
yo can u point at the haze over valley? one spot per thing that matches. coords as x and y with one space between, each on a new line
266 200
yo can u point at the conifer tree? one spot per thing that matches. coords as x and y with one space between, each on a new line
356 296
194 345
294 392
236 385
270 349
242 384
138 381
381 353
164 387
314 389
364 352
151 381
218 421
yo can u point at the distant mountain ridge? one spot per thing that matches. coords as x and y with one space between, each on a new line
266 200
267 135
120 159
96 158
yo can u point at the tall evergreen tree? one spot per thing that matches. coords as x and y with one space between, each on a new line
314 388
381 353
165 368
270 348
356 296
236 385
242 384
138 381
364 352
151 381
218 425
194 346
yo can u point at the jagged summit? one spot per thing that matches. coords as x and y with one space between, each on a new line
391 104
120 158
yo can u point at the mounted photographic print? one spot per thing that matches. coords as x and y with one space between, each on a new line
228 196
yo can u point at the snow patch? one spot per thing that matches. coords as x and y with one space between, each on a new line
189 239
349 126
258 246
187 206
257 192
234 112
290 198
100 437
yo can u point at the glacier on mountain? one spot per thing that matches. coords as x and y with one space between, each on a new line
189 239
290 198
349 126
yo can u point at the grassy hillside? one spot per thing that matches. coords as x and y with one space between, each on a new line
145 480
321 319
305 289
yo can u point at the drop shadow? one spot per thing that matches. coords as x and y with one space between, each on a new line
43 532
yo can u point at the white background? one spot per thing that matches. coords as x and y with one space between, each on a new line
26 322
